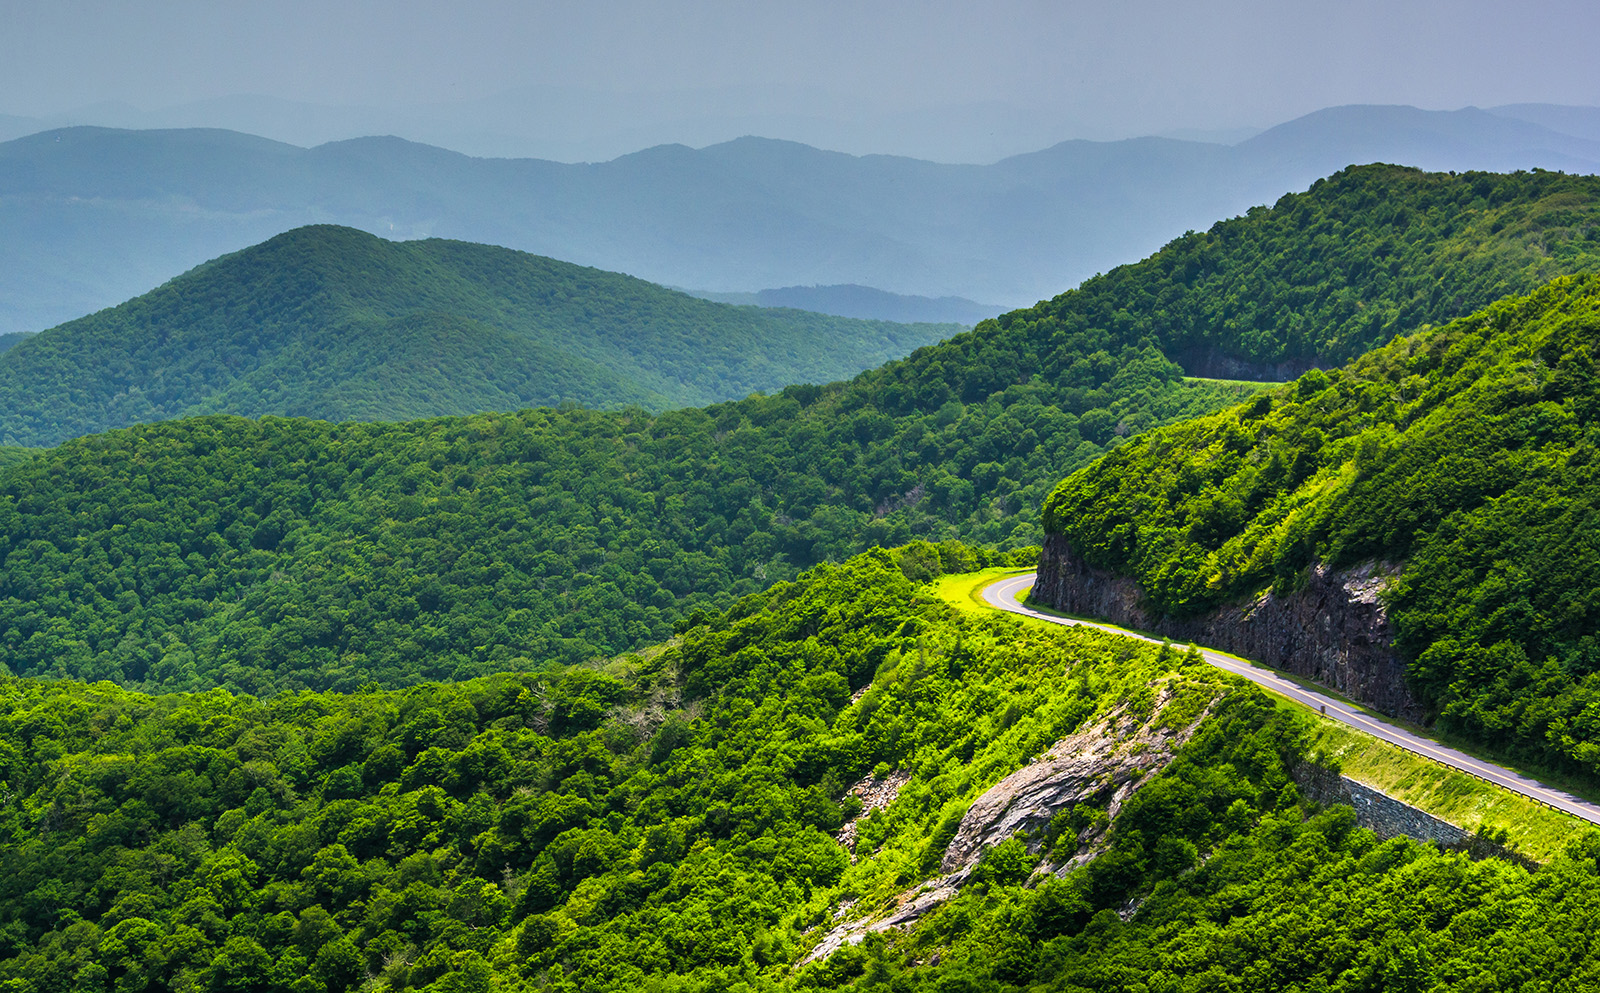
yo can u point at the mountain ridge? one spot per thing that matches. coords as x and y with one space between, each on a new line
87 234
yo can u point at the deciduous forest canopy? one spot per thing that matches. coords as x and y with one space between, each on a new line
572 699
1465 453
281 554
664 822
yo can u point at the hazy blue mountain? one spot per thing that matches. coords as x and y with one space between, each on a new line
10 341
578 123
850 300
91 216
1437 141
1580 122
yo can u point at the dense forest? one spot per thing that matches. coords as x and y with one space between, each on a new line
287 554
1365 255
1466 454
334 323
412 752
664 821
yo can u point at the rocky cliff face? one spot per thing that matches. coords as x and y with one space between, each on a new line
1101 765
1334 630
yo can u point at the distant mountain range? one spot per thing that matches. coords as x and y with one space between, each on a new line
334 323
90 216
850 300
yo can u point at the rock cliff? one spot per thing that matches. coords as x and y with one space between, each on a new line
1101 765
1333 630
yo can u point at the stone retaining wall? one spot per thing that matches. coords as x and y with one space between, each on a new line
1387 817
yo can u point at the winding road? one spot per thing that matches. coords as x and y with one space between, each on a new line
1004 594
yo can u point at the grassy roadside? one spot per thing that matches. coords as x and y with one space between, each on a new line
1249 384
1531 828
965 591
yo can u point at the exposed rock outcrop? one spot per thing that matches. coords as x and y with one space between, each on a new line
1213 363
874 794
1101 764
1333 630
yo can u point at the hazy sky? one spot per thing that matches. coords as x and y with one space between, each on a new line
1104 69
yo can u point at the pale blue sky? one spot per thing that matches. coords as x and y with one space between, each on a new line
1105 69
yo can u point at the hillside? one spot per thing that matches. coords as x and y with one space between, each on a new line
280 554
701 817
334 323
1463 457
93 216
1324 275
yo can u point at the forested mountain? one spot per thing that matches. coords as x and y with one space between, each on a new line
279 554
669 821
1323 276
10 341
93 216
334 323
1466 454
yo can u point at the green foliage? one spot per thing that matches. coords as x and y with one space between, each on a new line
450 836
1367 254
278 555
455 838
333 323
1288 903
284 554
1468 454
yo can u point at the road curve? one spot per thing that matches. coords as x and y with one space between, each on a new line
1003 595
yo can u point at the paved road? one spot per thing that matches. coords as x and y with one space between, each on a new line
1003 595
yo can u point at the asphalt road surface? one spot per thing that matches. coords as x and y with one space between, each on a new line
1003 596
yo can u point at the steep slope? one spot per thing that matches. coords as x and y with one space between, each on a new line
1322 276
93 216
279 554
1461 461
334 323
685 820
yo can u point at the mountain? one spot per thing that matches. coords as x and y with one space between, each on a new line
1580 122
724 811
10 341
282 554
334 323
1458 463
863 302
92 216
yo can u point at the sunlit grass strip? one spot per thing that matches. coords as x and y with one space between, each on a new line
1531 828
965 591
